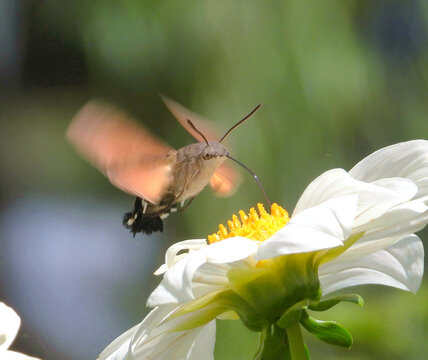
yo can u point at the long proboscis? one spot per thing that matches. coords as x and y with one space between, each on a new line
241 121
255 178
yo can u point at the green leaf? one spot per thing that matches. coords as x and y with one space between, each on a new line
328 331
327 304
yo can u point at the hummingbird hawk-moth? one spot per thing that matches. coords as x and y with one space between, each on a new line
138 163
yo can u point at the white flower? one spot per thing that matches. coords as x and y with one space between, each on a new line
151 340
9 326
348 228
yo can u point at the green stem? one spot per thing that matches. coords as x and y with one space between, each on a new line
295 341
264 340
273 344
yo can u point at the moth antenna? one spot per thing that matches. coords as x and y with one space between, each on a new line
241 121
254 175
194 128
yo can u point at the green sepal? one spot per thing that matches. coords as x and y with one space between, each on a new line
290 316
278 286
330 254
327 304
307 352
261 288
328 331
212 305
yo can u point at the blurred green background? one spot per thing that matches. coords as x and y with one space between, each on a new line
337 79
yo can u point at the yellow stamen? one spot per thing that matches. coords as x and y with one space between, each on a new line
255 226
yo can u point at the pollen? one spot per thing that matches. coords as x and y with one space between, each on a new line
256 225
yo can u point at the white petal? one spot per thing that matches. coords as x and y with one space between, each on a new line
389 228
321 227
361 249
13 355
400 265
230 250
161 270
402 215
171 253
407 159
176 345
400 221
9 326
215 274
156 340
152 320
374 200
153 338
400 186
203 346
118 349
177 284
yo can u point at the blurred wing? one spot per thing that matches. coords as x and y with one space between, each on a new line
147 179
205 126
225 180
133 159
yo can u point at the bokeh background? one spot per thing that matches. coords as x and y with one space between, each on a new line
338 80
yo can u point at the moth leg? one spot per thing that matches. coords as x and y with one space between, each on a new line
187 205
138 205
189 180
145 204
130 217
183 189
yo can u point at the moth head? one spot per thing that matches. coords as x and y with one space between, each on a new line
214 150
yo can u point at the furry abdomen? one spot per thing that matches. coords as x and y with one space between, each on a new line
146 217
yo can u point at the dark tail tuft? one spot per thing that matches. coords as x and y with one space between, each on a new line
142 223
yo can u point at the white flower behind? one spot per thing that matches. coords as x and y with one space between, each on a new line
348 228
10 323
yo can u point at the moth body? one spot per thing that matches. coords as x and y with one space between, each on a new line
191 169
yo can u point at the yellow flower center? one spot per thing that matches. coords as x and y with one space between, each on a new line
255 226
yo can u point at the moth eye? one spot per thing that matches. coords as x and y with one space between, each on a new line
206 156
